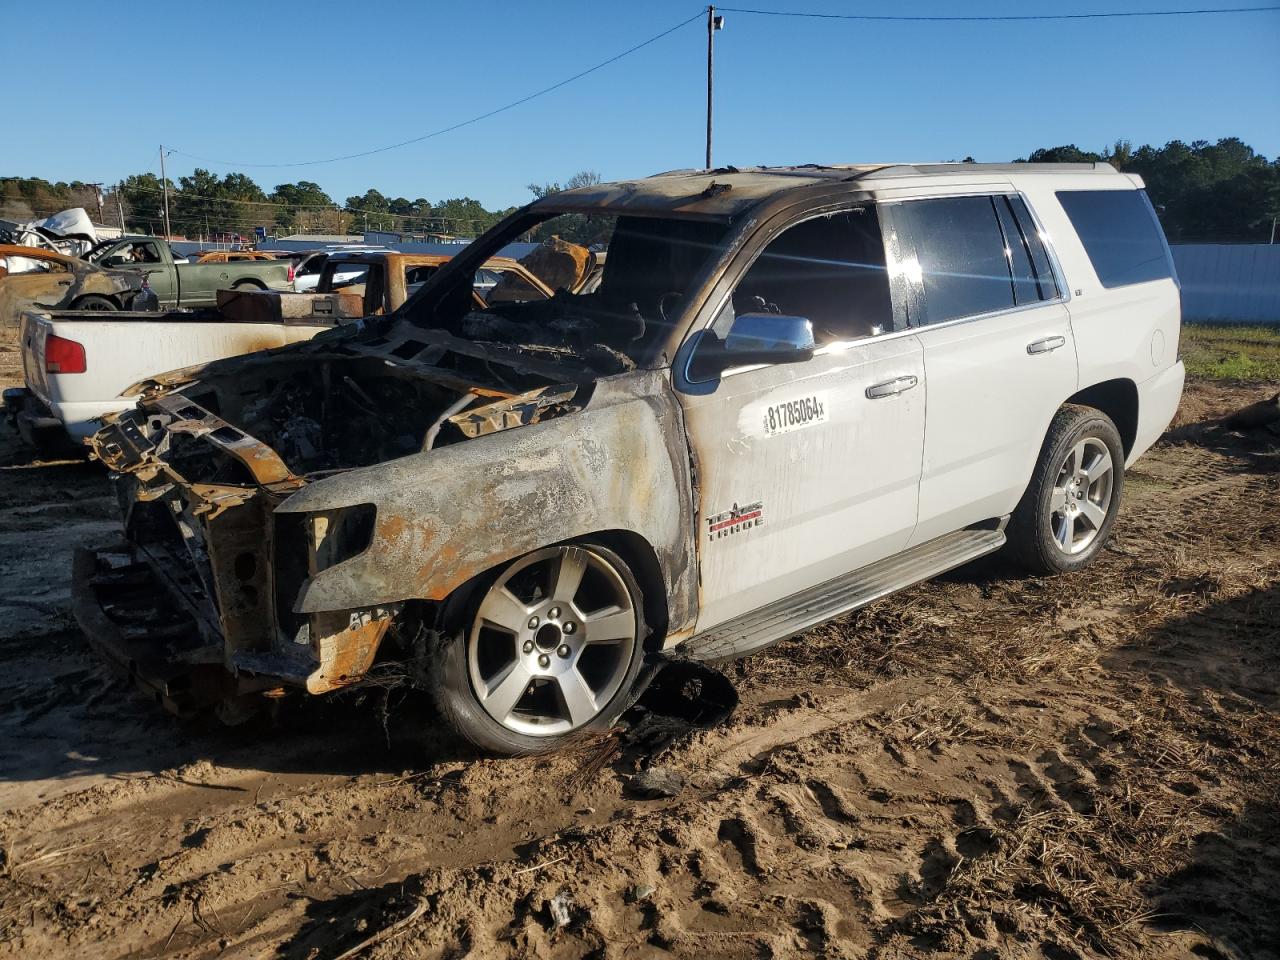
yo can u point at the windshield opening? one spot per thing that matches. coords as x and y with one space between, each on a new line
619 283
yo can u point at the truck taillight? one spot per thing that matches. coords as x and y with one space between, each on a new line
292 273
63 356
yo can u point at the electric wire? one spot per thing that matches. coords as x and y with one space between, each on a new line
995 18
464 123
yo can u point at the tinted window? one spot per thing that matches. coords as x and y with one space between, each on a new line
1120 233
1033 279
1035 245
830 270
960 251
1025 288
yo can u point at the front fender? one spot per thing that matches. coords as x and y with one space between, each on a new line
446 515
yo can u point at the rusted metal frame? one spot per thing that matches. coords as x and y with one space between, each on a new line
514 411
263 463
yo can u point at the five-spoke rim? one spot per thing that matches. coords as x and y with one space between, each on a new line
552 641
1081 497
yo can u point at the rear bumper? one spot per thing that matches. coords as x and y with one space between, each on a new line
33 419
1158 400
132 623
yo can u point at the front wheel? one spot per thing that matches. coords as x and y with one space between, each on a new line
1067 512
549 650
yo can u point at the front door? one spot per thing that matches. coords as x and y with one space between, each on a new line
807 470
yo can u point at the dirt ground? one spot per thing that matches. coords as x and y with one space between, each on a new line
986 766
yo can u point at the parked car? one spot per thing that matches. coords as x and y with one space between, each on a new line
178 283
59 281
793 392
230 256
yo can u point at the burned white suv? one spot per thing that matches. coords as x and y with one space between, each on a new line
793 391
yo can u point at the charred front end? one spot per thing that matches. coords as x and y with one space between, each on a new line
200 601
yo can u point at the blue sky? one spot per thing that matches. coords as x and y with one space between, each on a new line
282 82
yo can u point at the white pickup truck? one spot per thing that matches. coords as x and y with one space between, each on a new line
78 365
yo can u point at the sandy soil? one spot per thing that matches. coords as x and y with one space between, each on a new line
986 766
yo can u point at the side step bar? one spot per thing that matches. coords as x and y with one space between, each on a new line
801 611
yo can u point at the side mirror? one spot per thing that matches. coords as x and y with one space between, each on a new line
754 338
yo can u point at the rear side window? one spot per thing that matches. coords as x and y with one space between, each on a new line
960 252
1120 233
1033 279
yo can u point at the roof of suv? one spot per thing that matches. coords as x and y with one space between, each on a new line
727 191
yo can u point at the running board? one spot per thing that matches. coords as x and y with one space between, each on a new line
809 608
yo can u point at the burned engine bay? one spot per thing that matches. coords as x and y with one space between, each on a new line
326 408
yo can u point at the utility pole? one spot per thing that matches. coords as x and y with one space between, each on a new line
714 23
164 185
97 190
1273 228
120 210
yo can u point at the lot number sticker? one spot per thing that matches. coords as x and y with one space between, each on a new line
795 414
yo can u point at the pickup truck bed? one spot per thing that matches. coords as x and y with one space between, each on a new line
113 351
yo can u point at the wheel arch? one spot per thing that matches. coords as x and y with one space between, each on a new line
1118 399
638 554
115 300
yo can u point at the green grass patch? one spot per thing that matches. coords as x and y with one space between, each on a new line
1231 353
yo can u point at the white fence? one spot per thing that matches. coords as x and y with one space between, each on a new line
1229 282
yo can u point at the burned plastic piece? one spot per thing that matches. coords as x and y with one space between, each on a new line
527 408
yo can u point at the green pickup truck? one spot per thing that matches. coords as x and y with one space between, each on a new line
178 283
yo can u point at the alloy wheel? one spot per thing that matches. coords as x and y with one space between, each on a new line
1081 497
552 641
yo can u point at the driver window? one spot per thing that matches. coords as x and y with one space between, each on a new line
830 270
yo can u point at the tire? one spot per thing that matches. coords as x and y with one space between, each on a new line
1067 512
93 301
536 662
247 285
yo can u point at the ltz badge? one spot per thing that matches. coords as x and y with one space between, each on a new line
735 520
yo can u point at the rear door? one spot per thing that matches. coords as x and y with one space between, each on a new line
999 356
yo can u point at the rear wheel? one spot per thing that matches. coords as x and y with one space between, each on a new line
247 285
93 301
549 650
1067 512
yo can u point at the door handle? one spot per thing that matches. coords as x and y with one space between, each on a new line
1047 345
64 283
891 388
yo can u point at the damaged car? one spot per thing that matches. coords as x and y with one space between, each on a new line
724 442
53 279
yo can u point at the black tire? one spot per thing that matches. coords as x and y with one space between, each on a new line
247 285
448 676
1036 532
93 301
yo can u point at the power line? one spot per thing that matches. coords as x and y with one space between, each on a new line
465 123
993 18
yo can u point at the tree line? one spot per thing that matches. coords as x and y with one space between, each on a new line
1209 192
